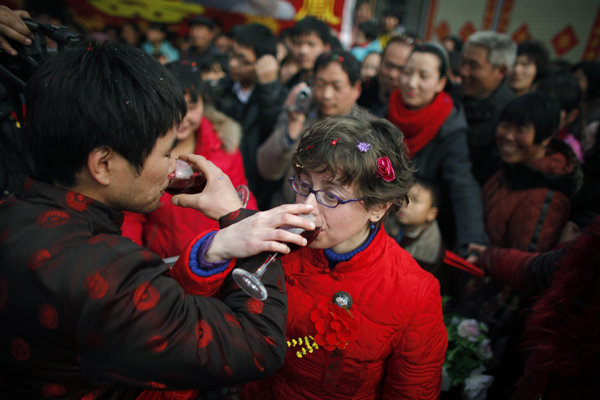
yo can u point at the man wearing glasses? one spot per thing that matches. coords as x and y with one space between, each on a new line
253 96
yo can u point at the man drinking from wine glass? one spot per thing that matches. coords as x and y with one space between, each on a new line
86 313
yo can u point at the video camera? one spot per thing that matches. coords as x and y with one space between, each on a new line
16 71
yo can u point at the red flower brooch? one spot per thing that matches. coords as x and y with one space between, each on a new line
336 327
385 169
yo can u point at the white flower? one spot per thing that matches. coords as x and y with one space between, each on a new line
446 380
476 386
469 329
485 350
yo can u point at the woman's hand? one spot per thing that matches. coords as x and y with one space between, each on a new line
218 198
259 233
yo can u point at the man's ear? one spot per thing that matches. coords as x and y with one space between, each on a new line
357 88
432 214
572 116
503 70
98 164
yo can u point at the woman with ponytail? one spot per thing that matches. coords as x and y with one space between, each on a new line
434 128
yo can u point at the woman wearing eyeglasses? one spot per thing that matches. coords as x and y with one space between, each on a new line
364 320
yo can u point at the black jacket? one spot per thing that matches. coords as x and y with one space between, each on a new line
446 160
257 118
483 116
369 98
15 159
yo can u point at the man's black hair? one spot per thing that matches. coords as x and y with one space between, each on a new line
98 95
257 37
158 27
309 25
347 61
591 69
567 91
202 21
536 108
537 53
187 75
206 63
458 43
370 29
431 187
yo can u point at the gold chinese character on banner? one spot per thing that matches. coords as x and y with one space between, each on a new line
322 9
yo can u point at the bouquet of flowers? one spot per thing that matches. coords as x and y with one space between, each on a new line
468 351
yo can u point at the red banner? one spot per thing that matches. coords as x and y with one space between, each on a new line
275 14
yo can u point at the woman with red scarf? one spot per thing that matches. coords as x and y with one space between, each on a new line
434 130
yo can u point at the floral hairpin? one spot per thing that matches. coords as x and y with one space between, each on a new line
363 147
335 141
385 170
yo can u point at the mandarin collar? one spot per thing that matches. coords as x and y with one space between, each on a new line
101 218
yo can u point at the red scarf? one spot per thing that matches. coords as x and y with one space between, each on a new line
419 126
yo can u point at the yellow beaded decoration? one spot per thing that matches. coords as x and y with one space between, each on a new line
308 345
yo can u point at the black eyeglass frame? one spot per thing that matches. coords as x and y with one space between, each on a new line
293 179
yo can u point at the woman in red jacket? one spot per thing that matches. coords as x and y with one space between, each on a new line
364 320
206 132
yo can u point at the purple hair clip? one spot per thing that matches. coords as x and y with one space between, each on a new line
363 147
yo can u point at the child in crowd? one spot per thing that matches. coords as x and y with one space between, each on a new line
366 41
157 43
415 227
370 66
416 230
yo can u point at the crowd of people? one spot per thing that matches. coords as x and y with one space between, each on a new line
400 148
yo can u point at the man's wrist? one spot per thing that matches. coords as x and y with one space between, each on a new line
216 252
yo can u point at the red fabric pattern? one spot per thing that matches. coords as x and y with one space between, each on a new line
419 126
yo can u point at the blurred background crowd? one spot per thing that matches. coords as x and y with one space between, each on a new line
500 117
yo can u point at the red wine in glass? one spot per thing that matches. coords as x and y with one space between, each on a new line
250 283
188 180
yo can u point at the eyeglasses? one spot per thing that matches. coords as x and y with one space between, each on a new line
327 199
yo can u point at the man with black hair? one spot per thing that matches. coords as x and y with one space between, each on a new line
335 90
86 313
253 96
202 32
310 38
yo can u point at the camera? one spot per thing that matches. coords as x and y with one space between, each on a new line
16 71
304 100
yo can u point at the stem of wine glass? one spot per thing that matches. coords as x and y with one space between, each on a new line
261 271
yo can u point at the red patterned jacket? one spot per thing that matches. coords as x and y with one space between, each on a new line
87 314
527 205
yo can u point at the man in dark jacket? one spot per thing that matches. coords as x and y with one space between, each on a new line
487 57
86 313
376 91
253 96
310 38
202 32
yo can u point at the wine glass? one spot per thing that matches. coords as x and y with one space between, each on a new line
250 283
187 179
